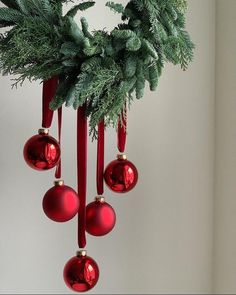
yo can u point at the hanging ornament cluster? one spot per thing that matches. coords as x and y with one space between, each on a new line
61 203
98 73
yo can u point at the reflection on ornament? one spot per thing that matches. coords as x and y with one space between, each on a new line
42 151
121 175
81 272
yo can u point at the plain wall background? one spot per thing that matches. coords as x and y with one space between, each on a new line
225 200
162 242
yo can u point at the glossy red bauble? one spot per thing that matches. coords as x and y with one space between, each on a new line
100 217
81 273
60 203
42 152
121 175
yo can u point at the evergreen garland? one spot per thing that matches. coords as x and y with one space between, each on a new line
104 69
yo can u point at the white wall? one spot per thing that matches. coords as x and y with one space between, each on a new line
163 239
225 201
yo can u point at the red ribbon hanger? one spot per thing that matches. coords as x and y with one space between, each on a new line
49 90
100 158
58 169
122 132
82 172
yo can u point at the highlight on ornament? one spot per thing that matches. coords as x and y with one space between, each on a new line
61 202
99 74
81 272
100 217
42 151
121 175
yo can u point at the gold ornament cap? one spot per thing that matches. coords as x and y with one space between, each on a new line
43 131
81 253
121 157
59 182
100 199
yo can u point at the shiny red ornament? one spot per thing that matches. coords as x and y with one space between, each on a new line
121 175
60 203
100 217
42 151
81 273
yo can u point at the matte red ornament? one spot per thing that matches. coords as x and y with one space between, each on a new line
100 217
61 202
81 273
121 175
42 151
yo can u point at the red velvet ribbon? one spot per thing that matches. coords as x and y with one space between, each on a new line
121 132
100 158
49 90
82 172
58 169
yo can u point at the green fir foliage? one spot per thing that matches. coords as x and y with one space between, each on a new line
104 70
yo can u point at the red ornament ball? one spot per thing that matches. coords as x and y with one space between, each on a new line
100 217
121 175
81 273
60 203
42 151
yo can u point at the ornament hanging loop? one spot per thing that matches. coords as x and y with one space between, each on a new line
121 157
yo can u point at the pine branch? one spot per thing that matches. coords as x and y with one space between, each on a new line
23 6
82 6
119 8
10 4
10 15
